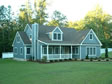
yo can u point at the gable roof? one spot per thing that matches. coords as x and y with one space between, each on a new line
24 37
70 35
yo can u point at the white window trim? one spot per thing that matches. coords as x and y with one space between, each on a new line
14 50
20 50
89 36
26 50
92 51
75 51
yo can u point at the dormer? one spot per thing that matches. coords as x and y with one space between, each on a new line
57 34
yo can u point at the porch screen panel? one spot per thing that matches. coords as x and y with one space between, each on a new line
50 50
44 50
56 50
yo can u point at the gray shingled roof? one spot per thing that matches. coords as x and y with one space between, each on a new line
71 36
24 37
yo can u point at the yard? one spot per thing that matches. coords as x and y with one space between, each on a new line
15 72
109 54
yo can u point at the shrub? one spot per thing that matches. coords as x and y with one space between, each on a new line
31 58
82 59
91 59
96 58
51 60
65 59
106 52
107 59
87 57
99 60
60 60
75 59
70 58
44 59
103 58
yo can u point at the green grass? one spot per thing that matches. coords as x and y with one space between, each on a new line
109 54
15 72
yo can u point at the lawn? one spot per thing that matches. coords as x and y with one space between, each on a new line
15 72
109 54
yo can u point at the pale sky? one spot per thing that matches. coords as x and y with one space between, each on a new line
73 9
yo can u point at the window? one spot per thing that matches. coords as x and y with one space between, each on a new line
91 36
57 36
44 50
75 50
28 50
15 50
91 51
21 50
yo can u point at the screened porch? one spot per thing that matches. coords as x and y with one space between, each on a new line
59 52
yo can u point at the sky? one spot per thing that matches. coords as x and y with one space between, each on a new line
73 9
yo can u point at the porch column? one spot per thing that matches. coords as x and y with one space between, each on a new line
60 51
47 52
71 52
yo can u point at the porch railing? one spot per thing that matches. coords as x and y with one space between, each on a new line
58 56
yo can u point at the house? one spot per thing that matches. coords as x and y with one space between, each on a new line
55 43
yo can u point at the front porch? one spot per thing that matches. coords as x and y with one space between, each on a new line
60 52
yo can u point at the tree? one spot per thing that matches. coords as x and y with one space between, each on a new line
6 29
106 52
99 22
58 19
79 25
40 11
25 15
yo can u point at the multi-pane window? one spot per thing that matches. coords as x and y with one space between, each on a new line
91 51
28 51
57 36
75 50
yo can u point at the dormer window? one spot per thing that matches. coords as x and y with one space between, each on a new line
91 36
57 36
